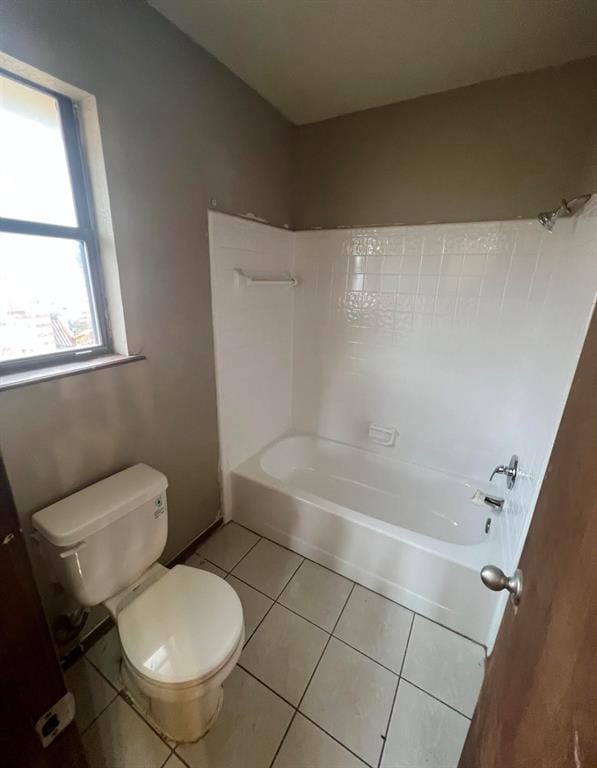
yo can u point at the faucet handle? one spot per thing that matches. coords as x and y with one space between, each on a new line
511 471
499 470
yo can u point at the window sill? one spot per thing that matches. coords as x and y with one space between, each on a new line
36 375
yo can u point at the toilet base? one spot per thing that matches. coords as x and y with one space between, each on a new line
181 715
182 721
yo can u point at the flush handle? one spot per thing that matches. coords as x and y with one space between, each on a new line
495 579
73 550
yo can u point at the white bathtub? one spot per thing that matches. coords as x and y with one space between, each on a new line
410 532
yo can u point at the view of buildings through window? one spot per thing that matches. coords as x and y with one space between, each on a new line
46 296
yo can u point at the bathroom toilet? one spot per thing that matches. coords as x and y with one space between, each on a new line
181 630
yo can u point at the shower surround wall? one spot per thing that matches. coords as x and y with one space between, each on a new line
464 337
252 338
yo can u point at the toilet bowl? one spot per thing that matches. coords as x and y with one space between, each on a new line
181 636
181 630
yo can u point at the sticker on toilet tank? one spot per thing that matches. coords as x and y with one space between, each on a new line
160 507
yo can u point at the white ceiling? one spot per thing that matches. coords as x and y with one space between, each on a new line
314 59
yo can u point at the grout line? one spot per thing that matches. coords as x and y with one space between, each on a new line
334 738
390 716
330 635
276 601
296 613
366 655
283 739
128 699
101 712
266 685
124 695
214 565
414 685
251 548
179 756
315 668
265 615
168 758
410 631
101 674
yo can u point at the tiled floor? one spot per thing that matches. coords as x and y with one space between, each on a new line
331 676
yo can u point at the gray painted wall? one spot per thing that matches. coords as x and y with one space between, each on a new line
498 150
178 129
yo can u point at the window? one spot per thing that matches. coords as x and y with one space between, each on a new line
51 304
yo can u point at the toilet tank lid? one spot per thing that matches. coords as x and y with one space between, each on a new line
81 514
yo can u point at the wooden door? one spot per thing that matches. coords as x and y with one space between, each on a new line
538 704
31 681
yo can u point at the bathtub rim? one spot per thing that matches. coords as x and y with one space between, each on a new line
473 556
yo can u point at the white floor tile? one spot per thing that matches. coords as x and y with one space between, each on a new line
196 561
248 731
92 693
307 746
106 656
255 605
120 739
268 567
228 545
445 664
376 626
350 696
283 652
317 594
424 733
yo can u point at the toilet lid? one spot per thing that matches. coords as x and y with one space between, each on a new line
183 627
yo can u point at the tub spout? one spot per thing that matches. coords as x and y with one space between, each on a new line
495 502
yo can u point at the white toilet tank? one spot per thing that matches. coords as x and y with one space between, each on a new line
99 540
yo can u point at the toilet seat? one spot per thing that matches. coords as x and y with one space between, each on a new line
183 629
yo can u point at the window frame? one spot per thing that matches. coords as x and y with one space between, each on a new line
85 232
